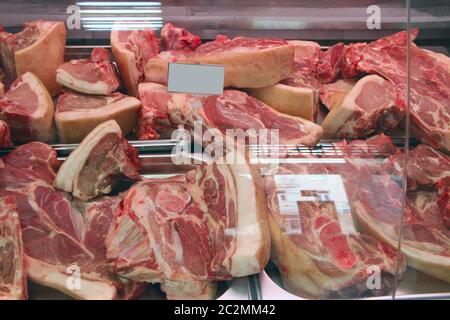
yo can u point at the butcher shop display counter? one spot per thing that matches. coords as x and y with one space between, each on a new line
265 150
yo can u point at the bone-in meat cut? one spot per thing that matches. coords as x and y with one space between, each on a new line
38 48
430 76
231 110
188 230
28 110
96 75
175 38
61 239
298 94
316 245
248 62
78 114
132 49
94 167
13 279
369 106
332 94
426 167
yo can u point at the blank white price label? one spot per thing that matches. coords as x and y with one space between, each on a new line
196 78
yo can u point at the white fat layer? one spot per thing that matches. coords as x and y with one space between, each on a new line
67 177
249 240
64 78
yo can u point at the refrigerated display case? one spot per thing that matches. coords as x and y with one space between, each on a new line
350 187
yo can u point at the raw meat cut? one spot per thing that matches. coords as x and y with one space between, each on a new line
5 135
60 238
429 170
94 167
296 101
2 75
248 62
332 94
188 230
369 106
426 167
329 66
2 85
231 110
378 146
426 245
430 75
13 280
153 121
175 38
132 49
77 114
444 202
28 109
96 75
315 243
306 58
298 95
425 204
35 160
377 204
38 48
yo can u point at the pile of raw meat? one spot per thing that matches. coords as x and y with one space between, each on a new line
68 227
329 217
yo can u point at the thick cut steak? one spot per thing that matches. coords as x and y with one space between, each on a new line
13 280
188 230
132 49
248 62
231 110
430 76
426 167
370 106
94 167
175 38
62 240
96 75
28 109
5 135
315 242
76 114
38 48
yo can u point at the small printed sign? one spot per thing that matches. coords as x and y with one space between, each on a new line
195 78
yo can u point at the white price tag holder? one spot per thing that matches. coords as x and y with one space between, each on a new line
195 78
